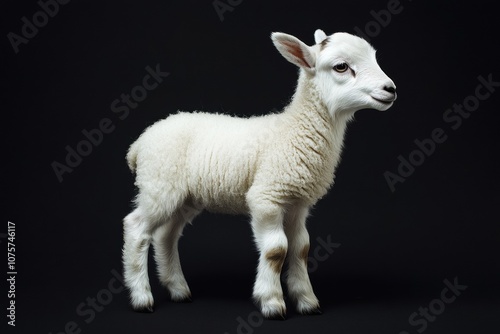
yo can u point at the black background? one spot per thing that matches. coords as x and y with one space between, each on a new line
396 247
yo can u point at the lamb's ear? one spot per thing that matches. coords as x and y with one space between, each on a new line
319 36
294 50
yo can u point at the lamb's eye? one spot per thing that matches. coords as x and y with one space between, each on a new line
341 68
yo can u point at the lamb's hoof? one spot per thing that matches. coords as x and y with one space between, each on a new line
308 306
144 309
314 311
187 299
142 300
274 311
179 293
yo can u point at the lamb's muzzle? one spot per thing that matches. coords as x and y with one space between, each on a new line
273 168
386 96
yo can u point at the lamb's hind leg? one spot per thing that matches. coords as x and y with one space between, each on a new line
299 286
137 237
165 244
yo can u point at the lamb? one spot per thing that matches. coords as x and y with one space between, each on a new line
273 167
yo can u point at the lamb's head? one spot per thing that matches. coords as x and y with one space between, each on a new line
344 69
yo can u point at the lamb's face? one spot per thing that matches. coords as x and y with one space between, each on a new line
344 69
348 75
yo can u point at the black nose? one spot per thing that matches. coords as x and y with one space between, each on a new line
390 89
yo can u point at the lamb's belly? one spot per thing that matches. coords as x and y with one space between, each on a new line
221 191
226 203
218 197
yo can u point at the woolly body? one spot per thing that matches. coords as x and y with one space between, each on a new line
273 167
213 160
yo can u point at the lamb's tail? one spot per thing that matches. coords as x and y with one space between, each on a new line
132 156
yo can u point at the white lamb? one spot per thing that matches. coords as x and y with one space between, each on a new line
273 167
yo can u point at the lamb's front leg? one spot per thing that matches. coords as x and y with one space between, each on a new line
267 225
299 286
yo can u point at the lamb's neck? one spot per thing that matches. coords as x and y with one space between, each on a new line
307 105
312 140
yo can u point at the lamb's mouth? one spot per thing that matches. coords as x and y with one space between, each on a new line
387 101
